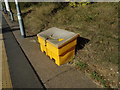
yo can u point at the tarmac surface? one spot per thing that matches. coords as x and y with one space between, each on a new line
22 73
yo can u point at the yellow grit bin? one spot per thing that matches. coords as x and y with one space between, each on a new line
58 44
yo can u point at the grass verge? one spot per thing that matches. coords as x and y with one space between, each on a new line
97 22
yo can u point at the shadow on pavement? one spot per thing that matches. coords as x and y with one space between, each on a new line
7 29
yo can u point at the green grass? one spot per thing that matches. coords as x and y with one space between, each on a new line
81 65
100 79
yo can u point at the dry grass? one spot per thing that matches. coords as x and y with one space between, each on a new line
96 22
38 19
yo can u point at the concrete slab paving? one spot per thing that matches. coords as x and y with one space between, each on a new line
70 79
6 79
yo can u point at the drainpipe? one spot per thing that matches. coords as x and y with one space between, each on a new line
8 9
20 20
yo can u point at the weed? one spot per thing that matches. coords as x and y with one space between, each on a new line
82 65
99 78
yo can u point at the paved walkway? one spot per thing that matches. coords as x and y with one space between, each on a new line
22 73
1 52
52 76
5 80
